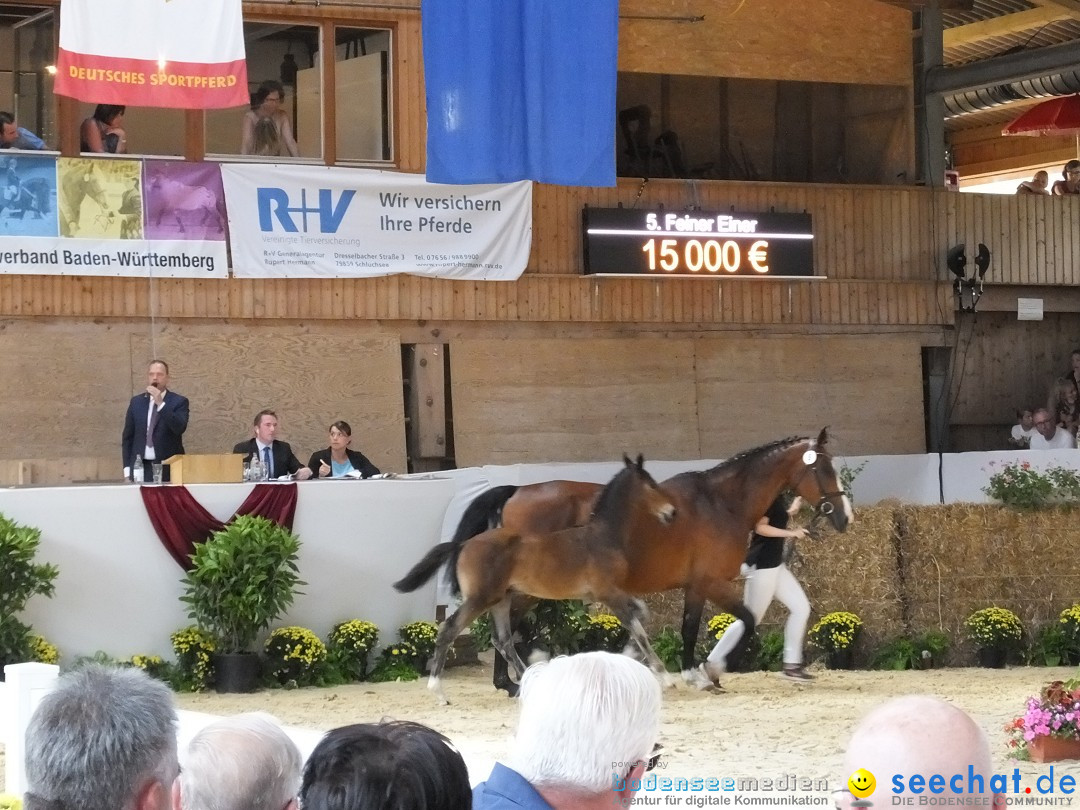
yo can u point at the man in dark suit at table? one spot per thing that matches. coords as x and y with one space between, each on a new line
278 455
155 423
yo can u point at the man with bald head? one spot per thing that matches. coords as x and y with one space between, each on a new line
919 735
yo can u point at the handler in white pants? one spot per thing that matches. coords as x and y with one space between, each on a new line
768 578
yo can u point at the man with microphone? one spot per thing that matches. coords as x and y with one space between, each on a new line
155 423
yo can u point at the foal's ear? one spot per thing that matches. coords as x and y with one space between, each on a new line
823 437
626 460
640 461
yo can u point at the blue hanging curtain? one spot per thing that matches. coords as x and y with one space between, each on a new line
521 90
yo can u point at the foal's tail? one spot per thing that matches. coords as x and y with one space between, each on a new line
426 568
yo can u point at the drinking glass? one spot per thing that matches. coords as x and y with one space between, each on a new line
158 472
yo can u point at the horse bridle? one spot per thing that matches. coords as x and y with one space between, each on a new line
824 507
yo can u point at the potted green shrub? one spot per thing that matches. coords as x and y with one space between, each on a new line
22 578
241 579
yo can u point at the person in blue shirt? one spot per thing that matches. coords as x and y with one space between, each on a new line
585 737
16 137
337 460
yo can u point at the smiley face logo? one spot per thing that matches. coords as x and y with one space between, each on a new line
861 783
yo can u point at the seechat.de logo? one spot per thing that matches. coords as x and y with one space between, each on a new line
325 215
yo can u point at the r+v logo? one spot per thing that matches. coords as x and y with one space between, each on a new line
274 204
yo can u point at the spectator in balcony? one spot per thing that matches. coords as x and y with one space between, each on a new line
1049 435
1074 368
1070 182
1022 430
104 130
1064 404
1036 185
13 136
267 129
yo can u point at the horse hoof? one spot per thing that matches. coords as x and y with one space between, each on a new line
697 679
669 680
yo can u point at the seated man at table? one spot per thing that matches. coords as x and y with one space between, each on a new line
277 456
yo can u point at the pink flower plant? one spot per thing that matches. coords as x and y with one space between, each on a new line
1053 713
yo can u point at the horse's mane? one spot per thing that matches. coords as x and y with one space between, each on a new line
612 495
751 455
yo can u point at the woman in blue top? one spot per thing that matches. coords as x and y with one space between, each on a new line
337 460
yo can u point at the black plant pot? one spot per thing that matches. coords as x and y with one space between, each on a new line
840 659
992 657
236 672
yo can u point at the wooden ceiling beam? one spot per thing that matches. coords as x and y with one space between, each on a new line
1007 24
944 5
1072 6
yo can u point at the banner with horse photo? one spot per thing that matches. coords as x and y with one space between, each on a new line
153 53
85 216
317 222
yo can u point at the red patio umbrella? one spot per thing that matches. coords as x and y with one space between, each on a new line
1055 116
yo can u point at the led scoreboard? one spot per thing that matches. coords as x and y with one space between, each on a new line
625 241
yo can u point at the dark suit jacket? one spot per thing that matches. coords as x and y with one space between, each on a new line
284 460
168 432
356 458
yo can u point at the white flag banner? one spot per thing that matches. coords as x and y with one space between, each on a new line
187 54
318 222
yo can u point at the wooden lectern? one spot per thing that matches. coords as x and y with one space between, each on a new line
218 468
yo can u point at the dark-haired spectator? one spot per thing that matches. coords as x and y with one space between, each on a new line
13 136
245 762
1070 182
265 119
1049 435
1036 185
385 766
337 460
103 131
588 724
103 739
1020 435
1074 368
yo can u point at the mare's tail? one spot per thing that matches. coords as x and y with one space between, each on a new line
483 513
426 568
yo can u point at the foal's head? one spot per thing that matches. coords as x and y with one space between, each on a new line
634 488
816 480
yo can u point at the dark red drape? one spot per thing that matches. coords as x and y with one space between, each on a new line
181 522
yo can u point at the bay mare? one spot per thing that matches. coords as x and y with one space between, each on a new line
592 562
702 550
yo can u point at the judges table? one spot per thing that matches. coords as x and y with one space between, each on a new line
119 590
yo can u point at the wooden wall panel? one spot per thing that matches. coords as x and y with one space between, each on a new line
557 298
572 400
846 41
682 397
754 390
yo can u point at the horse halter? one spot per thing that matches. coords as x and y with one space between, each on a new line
824 507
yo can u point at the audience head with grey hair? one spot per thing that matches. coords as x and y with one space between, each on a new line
924 736
588 724
103 739
246 762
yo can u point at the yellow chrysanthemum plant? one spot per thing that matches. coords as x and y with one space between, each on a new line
349 647
603 631
194 650
719 624
994 628
294 656
836 632
42 651
1070 626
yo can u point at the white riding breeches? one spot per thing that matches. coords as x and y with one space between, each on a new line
762 586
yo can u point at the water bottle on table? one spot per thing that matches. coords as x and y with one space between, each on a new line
137 469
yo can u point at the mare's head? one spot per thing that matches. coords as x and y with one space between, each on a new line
633 488
815 478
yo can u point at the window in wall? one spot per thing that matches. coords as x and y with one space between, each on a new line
362 94
34 104
749 129
283 79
